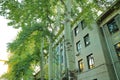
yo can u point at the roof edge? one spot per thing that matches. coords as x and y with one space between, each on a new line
109 11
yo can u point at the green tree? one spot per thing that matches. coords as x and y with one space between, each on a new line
38 20
25 52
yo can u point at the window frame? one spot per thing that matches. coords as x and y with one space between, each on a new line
91 62
76 30
81 65
83 24
87 40
117 49
113 29
78 46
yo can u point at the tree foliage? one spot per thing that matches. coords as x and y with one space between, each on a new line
38 19
25 52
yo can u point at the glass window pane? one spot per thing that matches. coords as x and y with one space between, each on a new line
81 65
76 30
117 48
90 60
78 46
83 24
87 40
112 26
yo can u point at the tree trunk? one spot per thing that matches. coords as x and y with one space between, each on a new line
50 61
68 41
41 62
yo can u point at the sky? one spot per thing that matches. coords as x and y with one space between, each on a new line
7 34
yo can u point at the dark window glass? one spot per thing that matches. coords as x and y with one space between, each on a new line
81 65
117 48
83 24
78 46
112 26
87 40
76 30
90 60
61 57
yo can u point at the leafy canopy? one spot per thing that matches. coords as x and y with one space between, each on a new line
38 19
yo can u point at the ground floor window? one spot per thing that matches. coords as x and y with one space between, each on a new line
117 48
91 63
81 65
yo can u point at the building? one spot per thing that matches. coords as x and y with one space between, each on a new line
60 57
109 23
92 60
97 49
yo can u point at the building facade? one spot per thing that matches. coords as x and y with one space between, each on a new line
109 22
92 62
97 47
60 58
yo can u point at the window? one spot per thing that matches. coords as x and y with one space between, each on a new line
112 26
90 60
62 59
78 46
76 30
83 24
117 48
86 40
81 65
61 46
57 49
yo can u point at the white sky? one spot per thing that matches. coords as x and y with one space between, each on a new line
7 34
3 68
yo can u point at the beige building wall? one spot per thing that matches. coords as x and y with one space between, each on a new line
98 48
112 37
103 68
